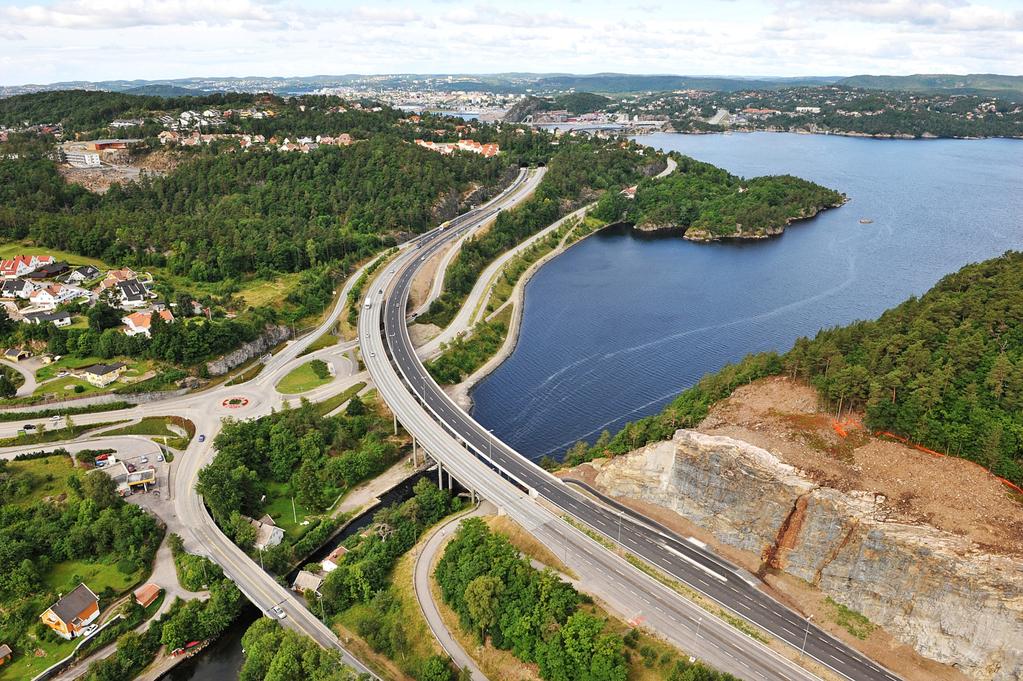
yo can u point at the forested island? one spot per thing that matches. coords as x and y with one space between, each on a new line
944 370
708 203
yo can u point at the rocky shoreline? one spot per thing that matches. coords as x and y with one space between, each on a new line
705 236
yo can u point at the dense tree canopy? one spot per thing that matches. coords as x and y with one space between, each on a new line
498 595
704 199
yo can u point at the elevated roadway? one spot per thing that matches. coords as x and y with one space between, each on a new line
486 464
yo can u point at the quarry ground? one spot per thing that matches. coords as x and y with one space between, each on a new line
950 494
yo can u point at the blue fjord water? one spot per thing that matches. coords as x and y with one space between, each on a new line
619 324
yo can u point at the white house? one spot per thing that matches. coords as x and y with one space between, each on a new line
53 295
17 288
267 534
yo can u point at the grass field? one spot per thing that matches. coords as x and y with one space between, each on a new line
56 435
63 577
66 387
278 505
302 379
24 665
331 403
325 341
155 426
49 476
13 248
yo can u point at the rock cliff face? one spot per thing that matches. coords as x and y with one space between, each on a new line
933 590
270 338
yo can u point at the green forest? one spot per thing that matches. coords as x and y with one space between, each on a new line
500 597
577 173
709 202
226 215
292 453
944 370
47 543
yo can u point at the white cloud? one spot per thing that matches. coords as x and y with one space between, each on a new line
104 14
45 41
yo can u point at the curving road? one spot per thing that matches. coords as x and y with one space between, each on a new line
207 409
500 474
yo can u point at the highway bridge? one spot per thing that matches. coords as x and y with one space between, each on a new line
485 464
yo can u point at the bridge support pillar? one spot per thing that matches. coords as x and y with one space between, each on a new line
415 461
395 415
451 480
440 475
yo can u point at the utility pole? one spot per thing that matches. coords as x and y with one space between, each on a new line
294 513
806 634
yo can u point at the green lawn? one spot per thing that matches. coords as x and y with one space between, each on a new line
13 248
325 341
49 476
278 505
65 387
331 403
154 426
63 577
301 379
37 437
25 665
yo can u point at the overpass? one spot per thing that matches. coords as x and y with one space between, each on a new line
480 461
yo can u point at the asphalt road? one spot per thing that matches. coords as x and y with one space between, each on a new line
408 389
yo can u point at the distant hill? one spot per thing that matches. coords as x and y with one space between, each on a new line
573 102
620 83
971 83
166 90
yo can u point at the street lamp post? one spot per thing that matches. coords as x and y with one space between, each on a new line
619 527
806 634
699 621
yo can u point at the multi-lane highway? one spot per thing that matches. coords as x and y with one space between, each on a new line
418 401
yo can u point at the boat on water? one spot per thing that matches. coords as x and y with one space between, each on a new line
866 221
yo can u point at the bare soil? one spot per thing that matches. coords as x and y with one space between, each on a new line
423 281
950 494
422 333
99 180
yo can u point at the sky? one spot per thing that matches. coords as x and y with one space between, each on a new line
44 41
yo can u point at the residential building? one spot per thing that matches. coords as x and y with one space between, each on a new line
5 654
48 270
72 613
146 594
16 288
55 294
132 293
82 274
81 158
60 319
333 559
114 277
16 354
102 375
267 534
17 266
306 581
138 323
